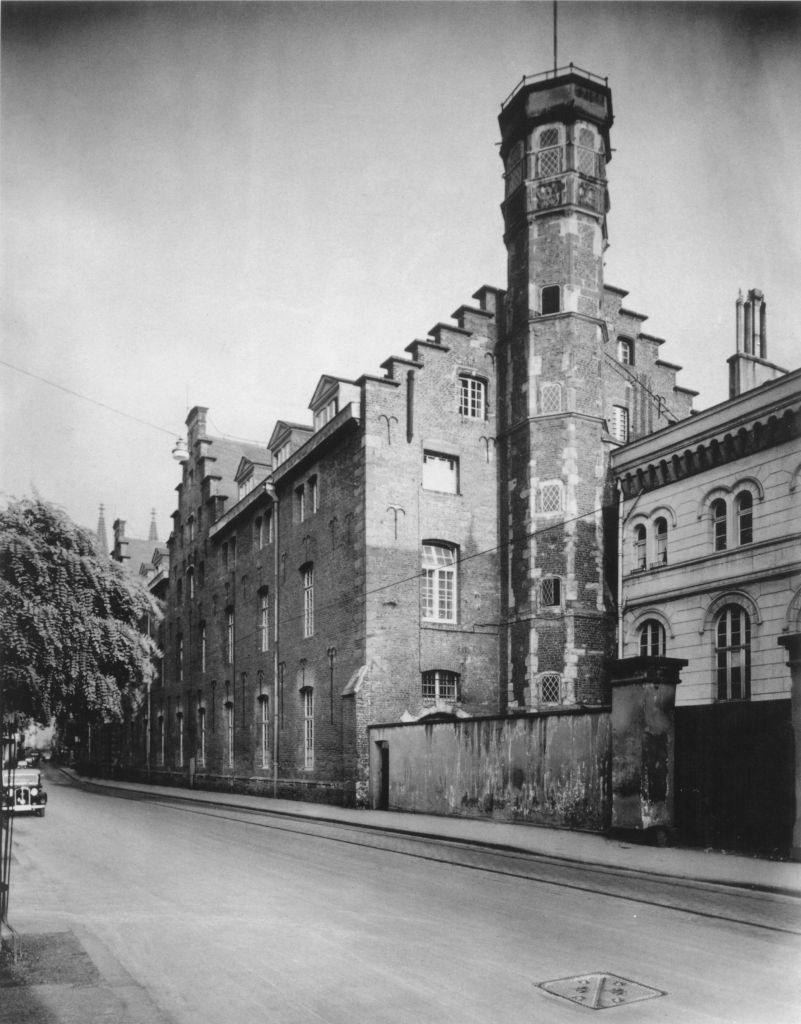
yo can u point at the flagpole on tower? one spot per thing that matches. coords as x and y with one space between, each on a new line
555 64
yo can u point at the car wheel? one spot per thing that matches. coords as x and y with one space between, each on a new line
40 812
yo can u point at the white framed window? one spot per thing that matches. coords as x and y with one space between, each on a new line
268 528
440 685
652 639
550 592
472 397
640 547
440 472
264 620
327 413
308 728
625 351
719 516
314 495
733 654
307 575
550 398
620 423
229 635
300 501
661 532
744 506
549 688
190 582
439 583
264 730
549 496
549 157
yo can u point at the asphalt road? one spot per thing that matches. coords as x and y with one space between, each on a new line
187 914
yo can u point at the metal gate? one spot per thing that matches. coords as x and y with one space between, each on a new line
735 777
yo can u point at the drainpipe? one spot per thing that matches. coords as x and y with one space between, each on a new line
271 491
621 522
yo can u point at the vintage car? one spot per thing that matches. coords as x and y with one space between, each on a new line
23 792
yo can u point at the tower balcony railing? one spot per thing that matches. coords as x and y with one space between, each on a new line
567 69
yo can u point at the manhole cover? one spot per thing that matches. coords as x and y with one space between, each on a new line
599 991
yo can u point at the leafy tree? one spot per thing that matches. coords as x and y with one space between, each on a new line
74 637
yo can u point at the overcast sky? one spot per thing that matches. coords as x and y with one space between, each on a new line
215 204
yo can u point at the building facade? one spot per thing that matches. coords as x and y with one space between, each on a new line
491 525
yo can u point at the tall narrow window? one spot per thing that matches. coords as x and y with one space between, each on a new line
549 157
550 299
201 737
440 685
180 753
661 528
202 646
440 473
190 583
229 635
300 501
162 738
718 510
640 553
180 658
472 398
314 495
652 639
264 730
229 734
439 583
258 532
268 519
745 518
264 620
733 654
620 423
308 728
307 573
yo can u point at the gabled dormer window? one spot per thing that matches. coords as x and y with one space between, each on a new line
327 413
281 454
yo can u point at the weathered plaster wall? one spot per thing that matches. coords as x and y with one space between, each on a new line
544 769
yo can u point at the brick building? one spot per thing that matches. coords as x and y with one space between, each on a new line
442 540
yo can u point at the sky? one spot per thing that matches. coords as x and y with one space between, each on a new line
214 204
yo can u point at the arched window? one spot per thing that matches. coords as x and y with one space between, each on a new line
201 736
439 684
550 299
652 639
640 552
719 529
745 517
625 351
439 583
661 528
733 653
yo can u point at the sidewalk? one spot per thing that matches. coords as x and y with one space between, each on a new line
575 847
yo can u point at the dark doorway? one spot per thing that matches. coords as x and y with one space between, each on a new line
735 766
382 796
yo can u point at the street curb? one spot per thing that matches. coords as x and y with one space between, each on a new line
618 869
